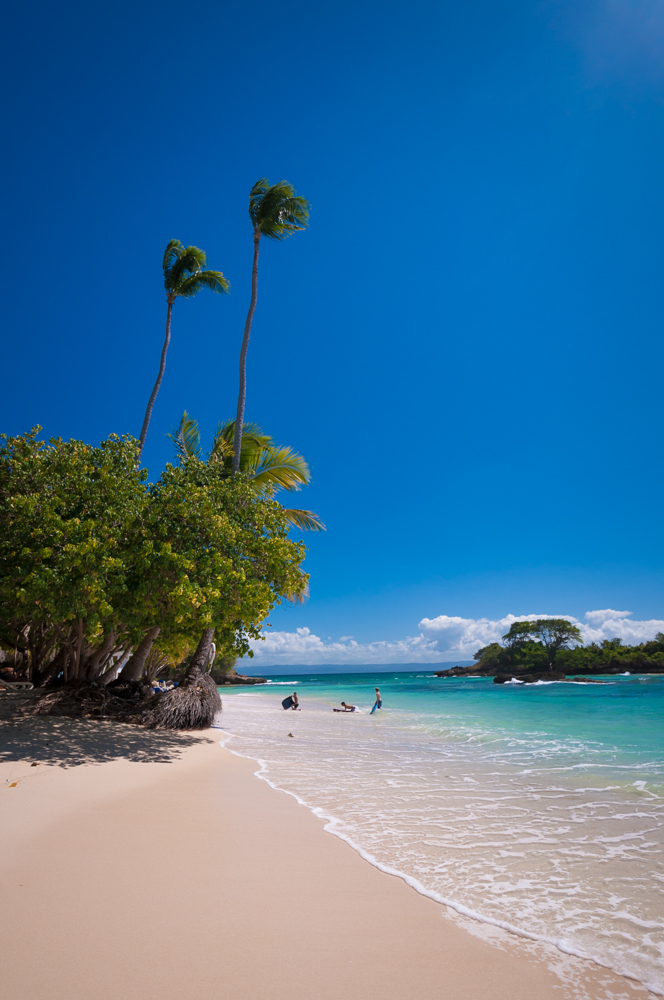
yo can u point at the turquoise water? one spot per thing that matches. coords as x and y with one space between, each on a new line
625 714
537 808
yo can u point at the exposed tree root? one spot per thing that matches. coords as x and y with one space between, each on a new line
193 705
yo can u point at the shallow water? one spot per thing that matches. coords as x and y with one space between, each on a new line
539 808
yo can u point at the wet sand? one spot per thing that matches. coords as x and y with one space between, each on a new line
156 866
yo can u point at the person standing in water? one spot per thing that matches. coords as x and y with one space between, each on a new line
379 702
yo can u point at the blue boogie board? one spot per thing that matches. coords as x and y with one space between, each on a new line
287 702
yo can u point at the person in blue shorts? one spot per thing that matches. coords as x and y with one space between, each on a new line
379 702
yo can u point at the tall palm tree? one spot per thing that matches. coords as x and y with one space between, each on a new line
271 466
276 212
183 276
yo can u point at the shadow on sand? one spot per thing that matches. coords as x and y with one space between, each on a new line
70 742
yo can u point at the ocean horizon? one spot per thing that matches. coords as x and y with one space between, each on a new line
314 669
538 809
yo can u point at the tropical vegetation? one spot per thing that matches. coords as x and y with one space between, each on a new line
97 564
107 579
184 277
276 212
270 467
548 645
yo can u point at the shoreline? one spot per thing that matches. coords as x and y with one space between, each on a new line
157 866
510 930
413 883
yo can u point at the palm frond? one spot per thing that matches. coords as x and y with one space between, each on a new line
304 519
214 280
186 437
222 445
172 253
195 258
186 264
278 466
253 441
256 196
276 211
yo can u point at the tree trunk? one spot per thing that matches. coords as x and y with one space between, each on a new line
52 669
113 671
242 395
80 646
199 661
97 661
133 669
192 705
160 376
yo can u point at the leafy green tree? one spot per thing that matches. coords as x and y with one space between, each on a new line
276 212
68 552
223 558
94 562
270 467
183 276
493 655
553 633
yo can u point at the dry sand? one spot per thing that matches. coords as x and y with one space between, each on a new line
155 866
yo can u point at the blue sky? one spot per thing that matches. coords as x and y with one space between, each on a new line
467 342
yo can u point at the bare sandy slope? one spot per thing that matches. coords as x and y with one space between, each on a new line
154 866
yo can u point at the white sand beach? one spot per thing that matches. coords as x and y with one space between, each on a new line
156 866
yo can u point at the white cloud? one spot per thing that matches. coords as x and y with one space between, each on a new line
303 647
462 637
615 625
443 638
597 617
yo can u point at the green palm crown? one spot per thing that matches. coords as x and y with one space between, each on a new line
276 211
184 272
271 467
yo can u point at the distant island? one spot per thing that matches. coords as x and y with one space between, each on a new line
552 649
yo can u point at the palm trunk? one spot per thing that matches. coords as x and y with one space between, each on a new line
242 395
199 660
133 669
160 376
113 671
98 659
192 705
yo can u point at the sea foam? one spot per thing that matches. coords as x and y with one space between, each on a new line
550 836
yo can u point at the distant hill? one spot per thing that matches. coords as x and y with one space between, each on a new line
247 667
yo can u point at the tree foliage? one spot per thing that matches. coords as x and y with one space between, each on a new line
92 556
184 272
270 467
551 633
276 211
525 650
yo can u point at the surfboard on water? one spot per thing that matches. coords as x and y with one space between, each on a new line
287 702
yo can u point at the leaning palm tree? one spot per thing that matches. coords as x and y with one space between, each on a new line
271 467
183 276
275 212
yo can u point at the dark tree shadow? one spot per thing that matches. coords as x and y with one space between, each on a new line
70 742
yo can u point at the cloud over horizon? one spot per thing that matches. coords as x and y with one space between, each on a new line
440 639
